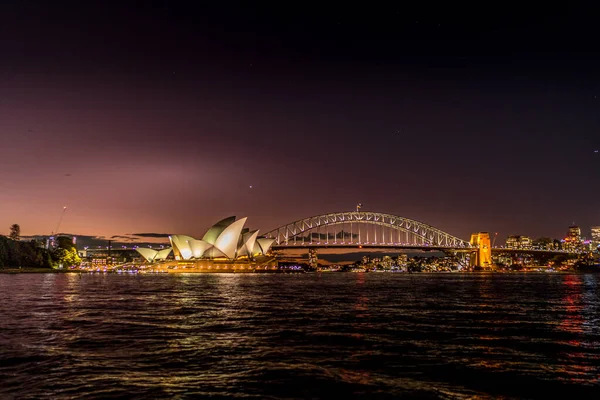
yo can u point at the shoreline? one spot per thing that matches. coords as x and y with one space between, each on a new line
9 271
37 271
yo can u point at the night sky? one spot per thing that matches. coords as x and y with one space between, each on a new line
166 116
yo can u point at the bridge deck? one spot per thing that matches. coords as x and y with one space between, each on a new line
373 246
369 246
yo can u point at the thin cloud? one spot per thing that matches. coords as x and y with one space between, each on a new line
152 235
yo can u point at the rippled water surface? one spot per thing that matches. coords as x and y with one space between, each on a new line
299 336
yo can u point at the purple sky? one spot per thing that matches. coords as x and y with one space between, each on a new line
160 118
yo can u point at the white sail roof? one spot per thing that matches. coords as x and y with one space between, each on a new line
163 254
181 246
248 241
229 237
154 255
148 254
199 247
265 244
214 231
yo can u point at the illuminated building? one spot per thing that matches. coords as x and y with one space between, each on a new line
226 240
573 240
518 242
595 236
100 262
574 232
313 260
105 256
402 260
387 262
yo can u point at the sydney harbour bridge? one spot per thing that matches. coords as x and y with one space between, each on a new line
374 230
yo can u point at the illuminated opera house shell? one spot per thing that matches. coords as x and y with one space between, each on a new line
225 239
154 255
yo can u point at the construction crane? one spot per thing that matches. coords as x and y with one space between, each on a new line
62 214
494 242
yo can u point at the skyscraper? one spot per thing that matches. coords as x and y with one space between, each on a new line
574 232
573 239
595 236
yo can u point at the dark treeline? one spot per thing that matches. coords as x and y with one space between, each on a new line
14 254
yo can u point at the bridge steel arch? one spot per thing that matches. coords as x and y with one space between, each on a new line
426 234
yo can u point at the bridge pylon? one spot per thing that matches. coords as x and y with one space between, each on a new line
483 255
313 259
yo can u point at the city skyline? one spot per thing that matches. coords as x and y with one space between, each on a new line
466 125
152 240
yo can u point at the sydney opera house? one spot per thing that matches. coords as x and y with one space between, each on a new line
226 247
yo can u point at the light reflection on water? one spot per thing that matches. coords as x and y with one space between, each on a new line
298 336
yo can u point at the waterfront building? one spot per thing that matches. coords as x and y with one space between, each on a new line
518 242
387 262
595 237
108 256
313 260
227 240
402 260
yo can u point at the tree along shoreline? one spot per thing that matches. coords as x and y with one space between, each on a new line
16 253
26 256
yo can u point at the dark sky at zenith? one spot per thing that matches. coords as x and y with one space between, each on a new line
166 116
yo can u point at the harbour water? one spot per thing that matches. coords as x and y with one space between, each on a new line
361 335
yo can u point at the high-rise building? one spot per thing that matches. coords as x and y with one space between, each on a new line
573 240
518 242
595 236
574 232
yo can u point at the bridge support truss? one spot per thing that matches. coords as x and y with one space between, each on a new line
363 228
